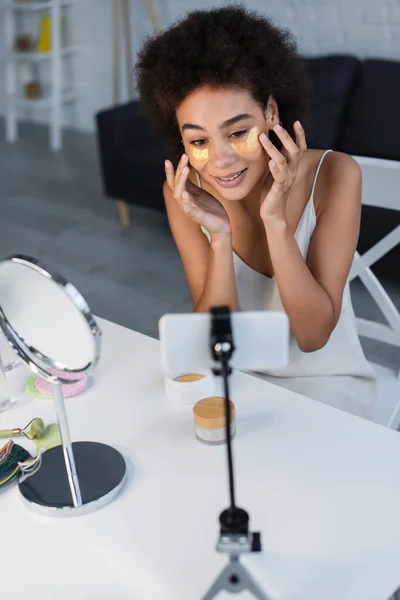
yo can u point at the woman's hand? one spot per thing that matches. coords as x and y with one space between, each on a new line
283 169
196 203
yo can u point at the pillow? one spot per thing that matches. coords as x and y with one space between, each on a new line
131 158
331 80
372 124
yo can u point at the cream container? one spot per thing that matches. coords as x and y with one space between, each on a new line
189 388
209 420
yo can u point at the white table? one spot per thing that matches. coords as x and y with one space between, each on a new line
322 486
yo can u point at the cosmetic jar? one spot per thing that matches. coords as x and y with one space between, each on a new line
189 388
209 420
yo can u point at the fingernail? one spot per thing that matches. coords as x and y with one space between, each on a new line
273 163
278 128
167 163
185 170
298 125
263 137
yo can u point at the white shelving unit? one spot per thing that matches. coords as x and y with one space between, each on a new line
57 96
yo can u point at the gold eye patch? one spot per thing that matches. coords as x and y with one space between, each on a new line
251 147
199 156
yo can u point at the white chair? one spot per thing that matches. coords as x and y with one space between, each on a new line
381 188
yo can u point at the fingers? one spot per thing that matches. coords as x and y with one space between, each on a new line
277 165
300 136
181 166
171 176
287 160
277 173
177 182
287 142
277 157
293 151
169 172
180 183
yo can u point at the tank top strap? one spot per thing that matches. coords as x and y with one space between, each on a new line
317 171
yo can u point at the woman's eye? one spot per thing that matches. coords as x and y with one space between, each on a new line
198 142
238 134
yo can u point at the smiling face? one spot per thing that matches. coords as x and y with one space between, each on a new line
220 130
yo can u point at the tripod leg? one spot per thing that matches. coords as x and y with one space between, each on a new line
234 579
249 584
219 584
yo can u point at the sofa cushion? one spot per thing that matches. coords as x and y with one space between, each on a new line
372 123
132 159
331 79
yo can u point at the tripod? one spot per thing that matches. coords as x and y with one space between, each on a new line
235 538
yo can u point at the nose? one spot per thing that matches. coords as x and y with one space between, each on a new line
222 155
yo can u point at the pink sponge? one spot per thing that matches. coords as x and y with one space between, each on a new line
68 389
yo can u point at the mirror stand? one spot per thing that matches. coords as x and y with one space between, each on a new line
55 335
74 478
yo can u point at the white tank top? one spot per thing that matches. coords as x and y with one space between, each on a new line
343 354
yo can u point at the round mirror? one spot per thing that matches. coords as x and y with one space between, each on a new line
46 319
49 325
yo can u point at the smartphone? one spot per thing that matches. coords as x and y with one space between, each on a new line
261 340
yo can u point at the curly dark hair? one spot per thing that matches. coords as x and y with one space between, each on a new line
228 46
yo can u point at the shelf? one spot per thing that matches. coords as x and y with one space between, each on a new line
26 5
56 91
46 102
39 56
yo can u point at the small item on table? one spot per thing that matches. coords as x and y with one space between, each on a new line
31 389
50 439
68 389
43 437
34 429
209 420
189 388
13 459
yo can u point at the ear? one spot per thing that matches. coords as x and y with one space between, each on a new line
271 113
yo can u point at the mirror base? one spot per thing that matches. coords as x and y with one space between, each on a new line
101 470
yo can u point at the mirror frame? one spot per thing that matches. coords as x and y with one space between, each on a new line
36 361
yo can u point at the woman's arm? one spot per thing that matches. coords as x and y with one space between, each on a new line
208 266
312 293
220 284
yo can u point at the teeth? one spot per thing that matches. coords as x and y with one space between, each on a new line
231 178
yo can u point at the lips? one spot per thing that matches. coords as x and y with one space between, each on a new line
232 183
230 174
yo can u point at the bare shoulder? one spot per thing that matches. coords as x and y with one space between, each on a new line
341 163
333 163
339 180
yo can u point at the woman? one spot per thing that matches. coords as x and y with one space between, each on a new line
260 220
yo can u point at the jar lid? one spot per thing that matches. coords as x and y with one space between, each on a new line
188 378
210 412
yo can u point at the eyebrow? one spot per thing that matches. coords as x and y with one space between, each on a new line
224 125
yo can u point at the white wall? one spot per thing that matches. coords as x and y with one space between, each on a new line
365 28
